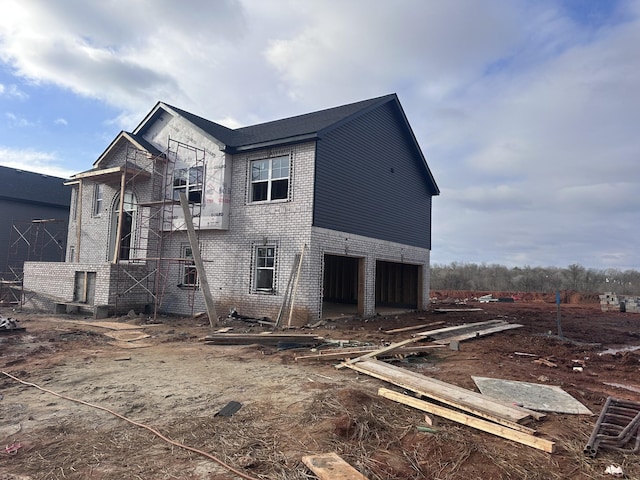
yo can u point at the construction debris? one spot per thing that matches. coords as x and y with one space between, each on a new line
544 398
617 428
619 303
229 409
414 327
330 466
471 421
10 325
467 400
345 353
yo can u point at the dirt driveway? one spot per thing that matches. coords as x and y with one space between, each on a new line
175 384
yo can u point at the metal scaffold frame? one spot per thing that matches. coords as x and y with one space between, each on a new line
155 221
35 240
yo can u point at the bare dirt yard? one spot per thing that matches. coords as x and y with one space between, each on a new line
174 383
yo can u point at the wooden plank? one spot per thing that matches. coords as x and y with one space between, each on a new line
197 259
330 466
447 310
267 339
414 327
478 333
285 297
295 285
339 353
477 423
458 397
380 351
465 326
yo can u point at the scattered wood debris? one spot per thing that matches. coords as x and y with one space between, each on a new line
545 362
345 353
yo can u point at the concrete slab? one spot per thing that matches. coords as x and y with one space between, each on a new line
543 398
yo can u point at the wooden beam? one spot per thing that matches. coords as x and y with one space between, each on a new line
330 466
295 285
414 327
465 326
197 259
116 247
478 333
477 423
78 221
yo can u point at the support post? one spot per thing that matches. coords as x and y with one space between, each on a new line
117 243
78 207
197 258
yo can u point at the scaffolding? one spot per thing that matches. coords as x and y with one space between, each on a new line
36 241
151 223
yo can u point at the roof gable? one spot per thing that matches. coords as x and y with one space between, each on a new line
125 137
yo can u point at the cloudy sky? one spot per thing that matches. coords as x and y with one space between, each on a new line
527 111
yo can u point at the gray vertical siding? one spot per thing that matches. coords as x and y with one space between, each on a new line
20 214
370 181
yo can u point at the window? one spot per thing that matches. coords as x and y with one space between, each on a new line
265 269
98 197
189 181
189 272
270 179
74 204
72 254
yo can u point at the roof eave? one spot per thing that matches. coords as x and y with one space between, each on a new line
271 143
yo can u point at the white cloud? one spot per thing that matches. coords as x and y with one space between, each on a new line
12 91
33 161
61 121
17 121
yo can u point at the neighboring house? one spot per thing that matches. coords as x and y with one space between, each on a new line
34 210
293 216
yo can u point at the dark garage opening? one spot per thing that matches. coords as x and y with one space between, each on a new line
398 285
343 286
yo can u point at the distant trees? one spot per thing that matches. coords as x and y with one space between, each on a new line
483 277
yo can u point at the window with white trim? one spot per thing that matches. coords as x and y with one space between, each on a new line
270 179
98 198
265 268
189 273
188 180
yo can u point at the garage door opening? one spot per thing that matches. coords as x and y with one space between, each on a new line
342 286
398 285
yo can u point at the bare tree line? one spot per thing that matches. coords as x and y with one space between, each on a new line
471 276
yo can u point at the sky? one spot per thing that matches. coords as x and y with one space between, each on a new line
527 111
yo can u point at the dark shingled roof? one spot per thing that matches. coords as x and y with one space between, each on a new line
19 185
309 124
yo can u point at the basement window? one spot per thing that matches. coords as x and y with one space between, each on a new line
265 267
188 181
270 179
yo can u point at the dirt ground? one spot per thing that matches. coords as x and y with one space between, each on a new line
175 383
